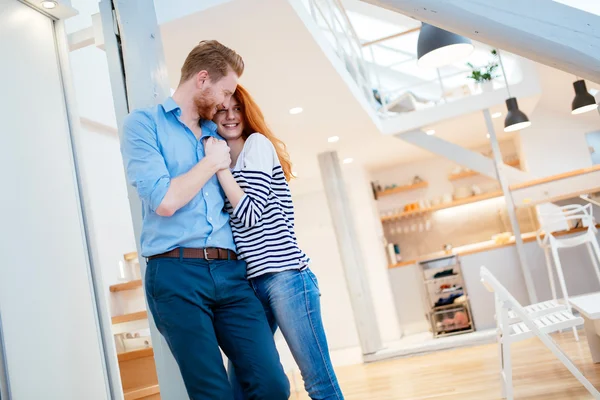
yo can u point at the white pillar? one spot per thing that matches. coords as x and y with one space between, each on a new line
350 253
510 207
139 79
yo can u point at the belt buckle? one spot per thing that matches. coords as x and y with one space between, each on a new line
206 254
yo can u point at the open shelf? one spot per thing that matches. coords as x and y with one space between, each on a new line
142 393
401 189
455 203
442 279
468 174
136 316
120 287
135 354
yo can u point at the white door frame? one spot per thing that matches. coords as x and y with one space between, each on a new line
101 313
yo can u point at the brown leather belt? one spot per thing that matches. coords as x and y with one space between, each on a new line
209 253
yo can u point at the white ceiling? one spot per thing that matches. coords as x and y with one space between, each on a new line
286 68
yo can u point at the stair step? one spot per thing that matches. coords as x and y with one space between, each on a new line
140 393
136 316
135 354
121 287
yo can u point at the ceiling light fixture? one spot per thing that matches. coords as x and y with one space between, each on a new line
437 47
348 160
496 115
333 139
49 4
296 110
583 101
294 174
430 132
515 119
487 135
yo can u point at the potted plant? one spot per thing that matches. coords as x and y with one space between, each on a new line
485 75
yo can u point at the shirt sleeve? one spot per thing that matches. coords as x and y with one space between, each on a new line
254 179
145 164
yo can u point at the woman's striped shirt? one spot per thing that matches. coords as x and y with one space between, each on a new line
263 221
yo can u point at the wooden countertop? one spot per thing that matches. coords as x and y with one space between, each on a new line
479 247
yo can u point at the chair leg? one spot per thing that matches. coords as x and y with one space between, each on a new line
593 244
500 357
563 284
507 381
550 272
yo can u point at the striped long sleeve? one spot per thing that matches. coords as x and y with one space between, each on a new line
263 221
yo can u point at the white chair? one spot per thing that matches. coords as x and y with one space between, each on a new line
562 219
528 327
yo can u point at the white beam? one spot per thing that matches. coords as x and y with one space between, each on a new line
90 36
545 31
350 253
81 38
467 158
510 208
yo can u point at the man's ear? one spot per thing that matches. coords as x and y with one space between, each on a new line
201 78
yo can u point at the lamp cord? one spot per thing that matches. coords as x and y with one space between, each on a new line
504 73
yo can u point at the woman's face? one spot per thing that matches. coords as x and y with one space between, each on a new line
230 121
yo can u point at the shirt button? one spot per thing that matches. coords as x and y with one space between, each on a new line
205 194
210 218
209 238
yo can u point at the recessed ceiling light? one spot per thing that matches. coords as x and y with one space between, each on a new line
49 4
496 115
348 160
333 139
487 135
294 174
430 132
296 110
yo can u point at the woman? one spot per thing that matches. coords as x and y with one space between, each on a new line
262 220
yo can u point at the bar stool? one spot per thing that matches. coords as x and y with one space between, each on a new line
560 219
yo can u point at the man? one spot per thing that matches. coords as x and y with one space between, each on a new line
196 288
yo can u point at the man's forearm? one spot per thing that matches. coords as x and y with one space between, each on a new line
184 188
231 188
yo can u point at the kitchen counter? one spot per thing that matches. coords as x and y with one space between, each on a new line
479 247
503 262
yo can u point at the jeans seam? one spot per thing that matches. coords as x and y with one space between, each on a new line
310 319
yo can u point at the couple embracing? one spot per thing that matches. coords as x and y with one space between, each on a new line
224 267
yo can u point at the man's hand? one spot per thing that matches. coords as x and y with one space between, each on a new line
218 152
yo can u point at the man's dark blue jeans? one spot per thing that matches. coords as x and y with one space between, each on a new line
199 305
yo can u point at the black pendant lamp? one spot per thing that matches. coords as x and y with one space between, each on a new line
583 101
437 47
515 119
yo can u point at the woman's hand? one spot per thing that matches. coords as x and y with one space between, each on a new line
218 152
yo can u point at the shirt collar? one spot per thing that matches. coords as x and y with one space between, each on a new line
209 128
170 105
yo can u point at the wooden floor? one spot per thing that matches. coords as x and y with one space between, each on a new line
470 374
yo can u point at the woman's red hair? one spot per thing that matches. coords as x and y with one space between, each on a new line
254 121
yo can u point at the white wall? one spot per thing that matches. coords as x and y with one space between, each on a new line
108 212
556 142
317 237
103 178
370 235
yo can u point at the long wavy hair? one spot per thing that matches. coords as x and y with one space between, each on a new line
254 121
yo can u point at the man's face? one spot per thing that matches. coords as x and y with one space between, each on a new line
214 96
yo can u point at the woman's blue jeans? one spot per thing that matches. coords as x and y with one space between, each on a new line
291 300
